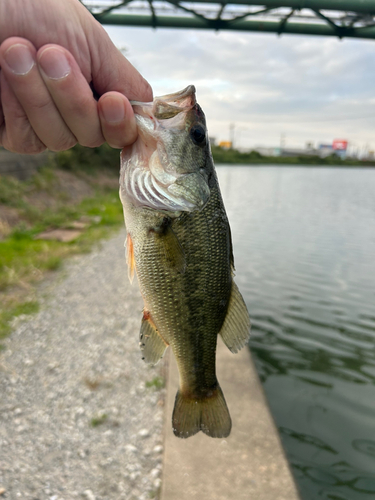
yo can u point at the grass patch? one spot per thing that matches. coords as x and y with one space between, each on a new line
99 420
22 257
18 309
154 493
11 190
156 383
92 160
25 260
14 191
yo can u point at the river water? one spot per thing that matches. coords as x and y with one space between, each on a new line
304 247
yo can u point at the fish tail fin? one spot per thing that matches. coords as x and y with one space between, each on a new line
208 414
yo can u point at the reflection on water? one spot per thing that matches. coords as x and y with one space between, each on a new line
304 241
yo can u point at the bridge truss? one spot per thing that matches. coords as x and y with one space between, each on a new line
340 18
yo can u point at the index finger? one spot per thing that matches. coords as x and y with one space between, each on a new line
1 108
111 71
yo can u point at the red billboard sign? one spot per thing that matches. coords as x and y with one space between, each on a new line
340 145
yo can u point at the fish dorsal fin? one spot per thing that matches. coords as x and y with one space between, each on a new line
130 257
235 331
150 341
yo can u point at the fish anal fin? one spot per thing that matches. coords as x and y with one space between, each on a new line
208 414
152 344
130 257
235 331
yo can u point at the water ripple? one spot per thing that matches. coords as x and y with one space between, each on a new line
304 257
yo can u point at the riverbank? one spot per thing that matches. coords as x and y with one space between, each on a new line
82 416
56 213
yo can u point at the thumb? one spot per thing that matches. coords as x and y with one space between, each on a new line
111 71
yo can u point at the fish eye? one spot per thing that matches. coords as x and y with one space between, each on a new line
198 135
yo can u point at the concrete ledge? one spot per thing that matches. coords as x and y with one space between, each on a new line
249 464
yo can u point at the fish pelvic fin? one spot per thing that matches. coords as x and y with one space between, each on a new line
235 331
130 257
209 414
151 343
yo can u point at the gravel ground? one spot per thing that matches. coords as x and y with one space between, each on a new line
77 419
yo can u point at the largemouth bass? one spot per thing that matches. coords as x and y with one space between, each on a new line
179 244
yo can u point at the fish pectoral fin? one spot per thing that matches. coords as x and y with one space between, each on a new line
151 343
130 257
173 251
235 331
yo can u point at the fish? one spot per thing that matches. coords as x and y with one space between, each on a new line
180 247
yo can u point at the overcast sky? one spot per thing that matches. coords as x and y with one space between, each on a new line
311 89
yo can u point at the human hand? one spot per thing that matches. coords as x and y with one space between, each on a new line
45 97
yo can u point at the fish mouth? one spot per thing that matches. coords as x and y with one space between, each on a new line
169 105
180 97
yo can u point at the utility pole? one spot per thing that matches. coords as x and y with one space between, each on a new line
282 140
231 133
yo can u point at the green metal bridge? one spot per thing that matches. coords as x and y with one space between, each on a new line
339 18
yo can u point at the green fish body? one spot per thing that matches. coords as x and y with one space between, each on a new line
180 246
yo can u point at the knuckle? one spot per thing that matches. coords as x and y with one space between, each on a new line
30 145
80 105
62 144
141 88
146 88
116 143
21 138
92 143
119 136
114 146
36 149
43 104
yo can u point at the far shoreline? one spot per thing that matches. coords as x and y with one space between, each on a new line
235 157
297 165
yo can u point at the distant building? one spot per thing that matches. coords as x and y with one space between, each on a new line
266 151
325 150
340 147
298 152
225 144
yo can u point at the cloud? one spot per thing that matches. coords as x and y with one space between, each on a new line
309 88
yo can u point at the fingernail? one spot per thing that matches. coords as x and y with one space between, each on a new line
19 59
113 109
54 63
